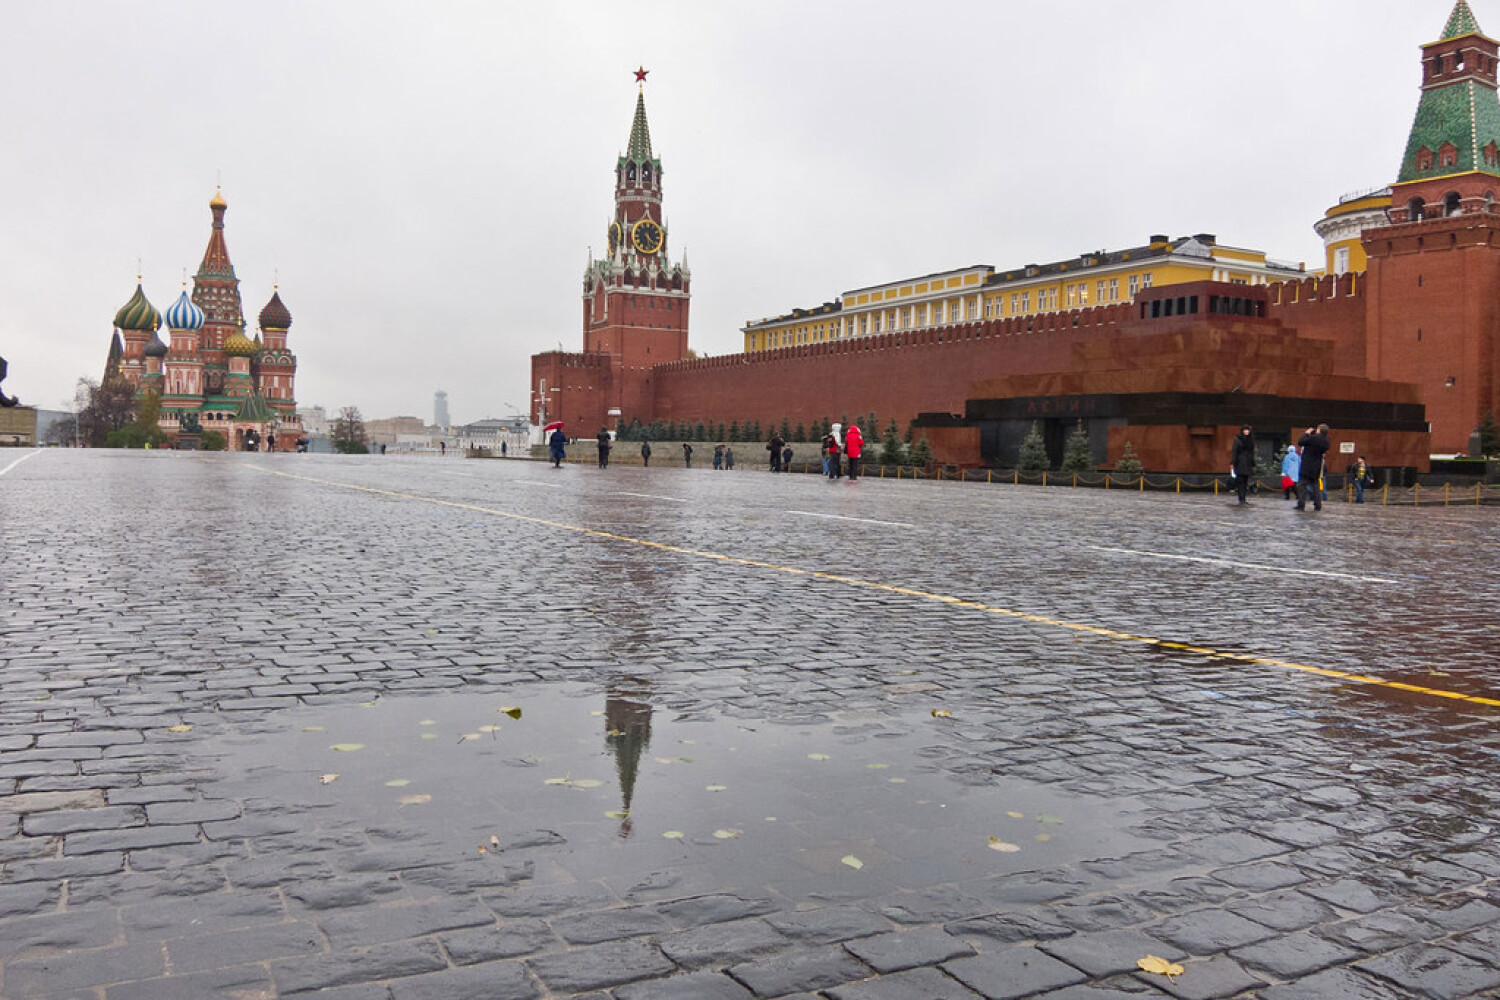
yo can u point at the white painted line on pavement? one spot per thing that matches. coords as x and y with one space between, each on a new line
840 517
1242 565
653 496
18 461
538 482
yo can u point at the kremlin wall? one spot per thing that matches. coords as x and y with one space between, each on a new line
1171 346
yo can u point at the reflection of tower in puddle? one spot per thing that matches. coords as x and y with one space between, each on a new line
627 723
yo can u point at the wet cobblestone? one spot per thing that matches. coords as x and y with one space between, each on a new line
1286 835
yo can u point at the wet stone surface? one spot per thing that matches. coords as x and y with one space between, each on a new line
265 750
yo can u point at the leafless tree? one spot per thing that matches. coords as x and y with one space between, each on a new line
107 406
349 430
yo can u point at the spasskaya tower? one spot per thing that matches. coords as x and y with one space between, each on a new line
635 305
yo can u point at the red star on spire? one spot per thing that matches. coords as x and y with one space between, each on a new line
640 75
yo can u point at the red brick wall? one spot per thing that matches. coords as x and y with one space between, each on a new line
1329 308
1434 309
897 375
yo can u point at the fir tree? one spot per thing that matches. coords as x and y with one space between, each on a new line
734 430
1129 463
786 429
1033 457
1489 434
1076 456
700 433
890 445
800 434
921 453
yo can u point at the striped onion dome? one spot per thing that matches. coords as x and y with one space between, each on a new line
275 316
184 314
155 348
240 346
138 314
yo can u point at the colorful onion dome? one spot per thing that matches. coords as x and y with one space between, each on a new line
184 314
240 346
138 314
218 200
155 348
275 315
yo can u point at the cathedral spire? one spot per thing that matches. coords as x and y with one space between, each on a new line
216 256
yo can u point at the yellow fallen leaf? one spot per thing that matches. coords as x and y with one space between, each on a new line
414 800
181 728
1042 838
1016 815
727 834
614 732
428 722
587 783
716 788
346 747
898 781
1161 967
852 862
398 783
817 756
512 711
558 781
489 729
328 779
596 712
941 713
618 814
666 760
674 835
494 841
996 844
467 737
481 848
312 729
878 767
429 736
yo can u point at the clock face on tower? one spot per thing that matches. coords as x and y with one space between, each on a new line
615 232
647 236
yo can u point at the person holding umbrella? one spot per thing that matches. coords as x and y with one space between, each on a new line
557 442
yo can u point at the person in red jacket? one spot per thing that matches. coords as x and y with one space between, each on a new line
854 447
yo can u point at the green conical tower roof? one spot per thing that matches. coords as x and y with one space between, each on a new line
1461 22
640 132
255 410
1464 114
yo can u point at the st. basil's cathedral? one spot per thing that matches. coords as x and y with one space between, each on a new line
209 375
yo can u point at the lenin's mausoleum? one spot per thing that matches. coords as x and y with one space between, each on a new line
1169 346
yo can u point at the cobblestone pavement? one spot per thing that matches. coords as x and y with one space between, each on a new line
1258 743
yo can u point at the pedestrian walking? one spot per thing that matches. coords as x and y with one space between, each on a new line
442 448
558 445
503 449
854 449
646 454
1291 465
1313 445
835 467
1362 478
687 455
774 447
1242 463
728 457
786 459
605 442
718 458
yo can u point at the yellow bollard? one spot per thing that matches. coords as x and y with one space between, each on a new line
1385 494
1216 485
1416 494
989 476
1075 480
1044 477
1143 484
1179 484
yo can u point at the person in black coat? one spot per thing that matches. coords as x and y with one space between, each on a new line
1242 462
1313 445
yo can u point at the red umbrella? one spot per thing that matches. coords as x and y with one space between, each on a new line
556 425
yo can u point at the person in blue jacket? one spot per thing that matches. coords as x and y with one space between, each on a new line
1291 468
558 443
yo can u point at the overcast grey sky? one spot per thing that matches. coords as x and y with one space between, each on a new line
427 178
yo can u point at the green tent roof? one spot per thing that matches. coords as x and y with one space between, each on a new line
1461 22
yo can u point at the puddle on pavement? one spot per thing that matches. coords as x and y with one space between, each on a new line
630 787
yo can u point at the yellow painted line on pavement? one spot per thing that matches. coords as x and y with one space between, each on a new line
957 602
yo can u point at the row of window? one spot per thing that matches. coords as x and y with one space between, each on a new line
953 311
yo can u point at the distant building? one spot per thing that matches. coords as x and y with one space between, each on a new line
389 430
211 377
491 432
18 426
440 409
314 421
